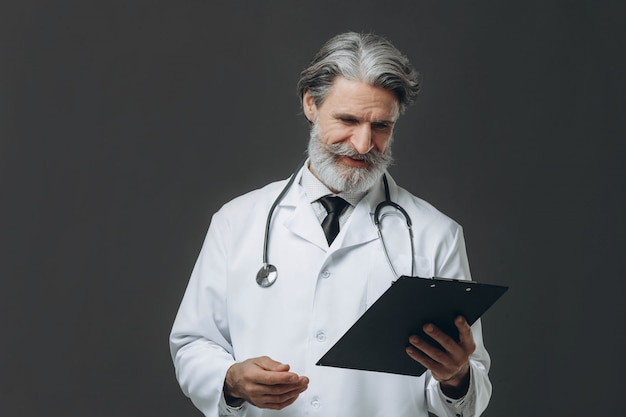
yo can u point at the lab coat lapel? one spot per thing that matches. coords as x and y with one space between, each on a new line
360 227
302 221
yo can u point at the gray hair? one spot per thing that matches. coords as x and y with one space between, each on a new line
363 57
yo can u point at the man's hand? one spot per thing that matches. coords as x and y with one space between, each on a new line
264 383
449 366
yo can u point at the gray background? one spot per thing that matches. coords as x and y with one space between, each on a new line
125 124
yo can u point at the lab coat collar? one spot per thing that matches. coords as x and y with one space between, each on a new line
359 228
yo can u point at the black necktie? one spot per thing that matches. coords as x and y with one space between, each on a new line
334 207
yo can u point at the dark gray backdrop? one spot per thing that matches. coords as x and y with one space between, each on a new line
125 124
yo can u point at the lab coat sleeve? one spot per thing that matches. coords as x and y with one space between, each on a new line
199 340
455 265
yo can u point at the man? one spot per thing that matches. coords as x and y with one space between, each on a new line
249 350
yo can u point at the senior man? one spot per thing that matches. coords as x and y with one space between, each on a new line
244 346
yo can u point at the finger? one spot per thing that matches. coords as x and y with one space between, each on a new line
282 389
251 377
445 340
274 373
442 365
284 393
425 353
466 338
277 378
283 399
274 405
268 396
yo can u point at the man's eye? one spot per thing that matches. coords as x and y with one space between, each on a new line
349 121
380 126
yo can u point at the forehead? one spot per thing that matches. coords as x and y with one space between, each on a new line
362 100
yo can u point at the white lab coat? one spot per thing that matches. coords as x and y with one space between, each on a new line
320 292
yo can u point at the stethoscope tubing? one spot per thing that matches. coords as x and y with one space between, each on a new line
271 212
268 273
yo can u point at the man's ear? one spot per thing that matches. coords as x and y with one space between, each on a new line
308 106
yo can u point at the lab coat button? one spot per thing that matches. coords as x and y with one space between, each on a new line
321 337
325 274
315 404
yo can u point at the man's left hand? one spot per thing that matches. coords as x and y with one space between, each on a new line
449 366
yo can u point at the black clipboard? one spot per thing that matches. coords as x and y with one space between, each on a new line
378 340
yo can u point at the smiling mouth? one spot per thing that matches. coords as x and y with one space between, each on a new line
357 161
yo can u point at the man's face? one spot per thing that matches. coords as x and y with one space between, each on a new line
351 134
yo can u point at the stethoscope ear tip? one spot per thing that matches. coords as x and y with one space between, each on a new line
267 275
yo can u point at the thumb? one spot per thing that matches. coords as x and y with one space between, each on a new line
269 364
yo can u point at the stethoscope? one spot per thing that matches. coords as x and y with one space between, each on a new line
268 273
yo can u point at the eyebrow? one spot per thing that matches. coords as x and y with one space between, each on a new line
351 116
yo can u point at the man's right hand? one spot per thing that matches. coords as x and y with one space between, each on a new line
264 383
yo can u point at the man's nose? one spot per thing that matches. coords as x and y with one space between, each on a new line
362 139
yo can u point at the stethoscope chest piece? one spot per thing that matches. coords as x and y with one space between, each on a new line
267 275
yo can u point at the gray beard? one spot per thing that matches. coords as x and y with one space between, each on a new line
339 177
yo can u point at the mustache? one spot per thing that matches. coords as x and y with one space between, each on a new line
373 157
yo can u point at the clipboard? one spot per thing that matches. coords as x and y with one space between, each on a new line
378 340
